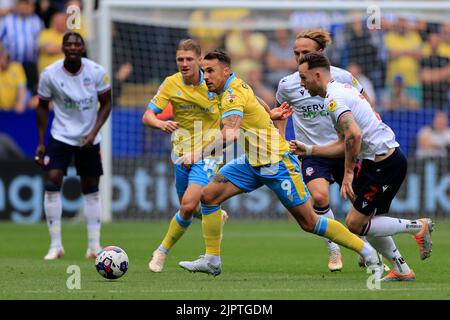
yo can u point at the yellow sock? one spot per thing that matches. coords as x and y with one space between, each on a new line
339 234
212 231
177 228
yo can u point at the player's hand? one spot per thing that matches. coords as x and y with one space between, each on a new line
87 141
299 148
188 159
282 112
168 126
39 154
347 189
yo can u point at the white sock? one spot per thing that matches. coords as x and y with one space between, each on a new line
387 247
92 211
380 226
367 251
214 260
53 213
329 214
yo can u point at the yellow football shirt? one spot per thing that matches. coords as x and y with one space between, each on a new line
49 36
194 108
10 81
260 139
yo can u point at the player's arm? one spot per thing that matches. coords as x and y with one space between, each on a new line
102 115
279 113
149 119
42 112
352 141
228 134
334 149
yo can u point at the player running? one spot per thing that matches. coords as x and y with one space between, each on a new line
75 85
362 136
266 161
313 126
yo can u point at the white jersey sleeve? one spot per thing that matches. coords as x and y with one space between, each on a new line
343 76
44 88
280 94
377 137
101 80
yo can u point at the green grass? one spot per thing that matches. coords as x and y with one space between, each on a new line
260 260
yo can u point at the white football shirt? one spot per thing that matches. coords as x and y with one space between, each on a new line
74 97
377 137
312 125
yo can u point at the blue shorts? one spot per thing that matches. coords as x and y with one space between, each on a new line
284 178
330 169
200 173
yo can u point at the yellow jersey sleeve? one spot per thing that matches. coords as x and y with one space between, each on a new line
234 100
162 97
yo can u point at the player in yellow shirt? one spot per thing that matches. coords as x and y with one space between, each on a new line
266 161
196 113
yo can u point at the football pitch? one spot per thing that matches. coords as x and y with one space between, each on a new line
261 260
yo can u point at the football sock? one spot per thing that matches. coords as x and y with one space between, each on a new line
387 247
92 212
53 213
339 234
380 226
328 213
212 228
177 228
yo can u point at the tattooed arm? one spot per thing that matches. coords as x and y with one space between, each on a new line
352 140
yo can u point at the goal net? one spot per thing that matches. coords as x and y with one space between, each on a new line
398 51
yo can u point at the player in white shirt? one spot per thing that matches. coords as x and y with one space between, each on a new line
313 126
75 86
364 137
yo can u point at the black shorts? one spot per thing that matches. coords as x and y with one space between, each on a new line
58 155
377 183
331 169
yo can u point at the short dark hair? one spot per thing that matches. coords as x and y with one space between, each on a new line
315 60
72 33
220 55
189 45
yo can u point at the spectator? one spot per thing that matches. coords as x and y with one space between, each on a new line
435 74
50 40
19 34
279 59
360 48
6 7
404 53
434 140
365 82
208 27
255 80
45 9
12 84
9 150
397 97
245 48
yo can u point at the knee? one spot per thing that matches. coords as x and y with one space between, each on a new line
353 225
207 197
320 198
188 208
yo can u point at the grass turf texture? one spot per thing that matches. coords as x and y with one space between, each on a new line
260 260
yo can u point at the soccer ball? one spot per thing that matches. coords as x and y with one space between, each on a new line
112 262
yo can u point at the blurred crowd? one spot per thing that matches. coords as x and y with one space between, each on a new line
403 65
